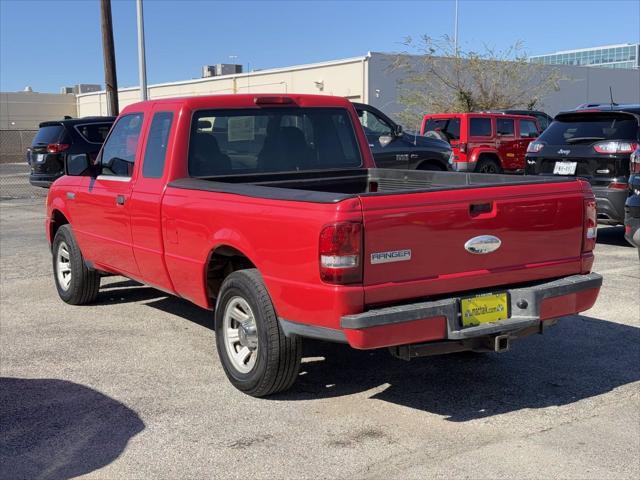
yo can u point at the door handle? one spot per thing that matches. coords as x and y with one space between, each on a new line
120 200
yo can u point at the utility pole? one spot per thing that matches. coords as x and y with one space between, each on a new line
142 61
108 52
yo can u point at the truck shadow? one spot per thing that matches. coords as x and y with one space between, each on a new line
579 358
56 429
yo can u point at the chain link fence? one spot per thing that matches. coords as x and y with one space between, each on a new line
14 170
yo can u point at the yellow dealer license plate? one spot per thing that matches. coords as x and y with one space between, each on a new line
487 308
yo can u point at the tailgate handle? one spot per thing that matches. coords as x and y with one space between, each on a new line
476 209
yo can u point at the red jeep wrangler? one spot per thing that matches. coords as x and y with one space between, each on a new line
484 142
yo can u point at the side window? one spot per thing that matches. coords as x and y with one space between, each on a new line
156 149
505 126
449 126
373 125
528 129
480 127
542 121
94 132
119 151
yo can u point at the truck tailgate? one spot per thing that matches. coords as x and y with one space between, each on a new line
414 243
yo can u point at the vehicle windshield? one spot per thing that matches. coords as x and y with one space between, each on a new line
226 142
585 129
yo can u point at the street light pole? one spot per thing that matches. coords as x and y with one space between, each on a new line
142 61
108 52
455 30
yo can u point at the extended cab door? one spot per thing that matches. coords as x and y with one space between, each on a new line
101 207
146 198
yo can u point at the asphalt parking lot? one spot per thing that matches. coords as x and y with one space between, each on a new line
131 387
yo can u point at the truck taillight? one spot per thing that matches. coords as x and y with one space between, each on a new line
590 226
57 147
340 253
615 146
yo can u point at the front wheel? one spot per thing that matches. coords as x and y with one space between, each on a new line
257 357
76 284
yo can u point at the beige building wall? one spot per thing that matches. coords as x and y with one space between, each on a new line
346 78
25 110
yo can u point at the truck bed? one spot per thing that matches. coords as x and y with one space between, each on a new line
328 186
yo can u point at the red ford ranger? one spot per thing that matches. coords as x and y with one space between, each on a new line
484 142
269 211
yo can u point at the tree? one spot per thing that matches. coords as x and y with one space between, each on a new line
438 77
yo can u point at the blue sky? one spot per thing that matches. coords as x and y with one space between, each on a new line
48 44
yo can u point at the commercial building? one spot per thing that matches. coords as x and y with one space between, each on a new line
370 79
25 110
609 56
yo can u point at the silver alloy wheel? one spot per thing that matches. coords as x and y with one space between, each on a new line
63 266
240 334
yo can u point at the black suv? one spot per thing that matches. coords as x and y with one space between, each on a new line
57 139
595 144
393 148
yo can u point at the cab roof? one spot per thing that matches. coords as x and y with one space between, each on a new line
245 101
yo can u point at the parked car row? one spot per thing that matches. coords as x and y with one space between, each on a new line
595 142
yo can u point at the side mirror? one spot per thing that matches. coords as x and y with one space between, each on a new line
78 165
397 131
385 140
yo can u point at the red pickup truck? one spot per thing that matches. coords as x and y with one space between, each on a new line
269 211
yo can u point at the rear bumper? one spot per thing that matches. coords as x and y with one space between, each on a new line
610 204
440 320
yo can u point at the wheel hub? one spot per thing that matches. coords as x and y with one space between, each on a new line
248 335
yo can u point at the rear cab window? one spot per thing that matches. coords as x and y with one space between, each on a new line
590 128
228 142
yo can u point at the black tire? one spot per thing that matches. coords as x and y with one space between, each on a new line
488 165
278 357
431 167
84 283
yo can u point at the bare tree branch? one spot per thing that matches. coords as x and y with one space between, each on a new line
436 79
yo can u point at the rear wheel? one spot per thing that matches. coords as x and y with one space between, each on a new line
76 284
257 357
488 165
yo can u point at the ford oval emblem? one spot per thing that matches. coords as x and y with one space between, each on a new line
482 244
